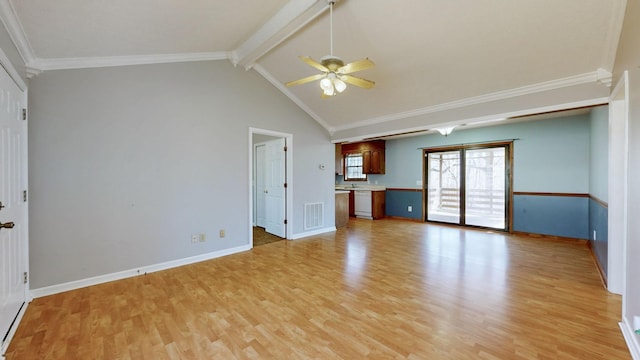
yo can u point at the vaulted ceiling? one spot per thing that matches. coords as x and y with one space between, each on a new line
437 62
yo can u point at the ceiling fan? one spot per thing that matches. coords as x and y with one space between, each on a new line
335 74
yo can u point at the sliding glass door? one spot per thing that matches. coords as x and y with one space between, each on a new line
443 190
485 187
468 185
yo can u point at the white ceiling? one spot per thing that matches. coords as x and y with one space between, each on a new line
437 62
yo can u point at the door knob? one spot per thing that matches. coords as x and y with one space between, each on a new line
7 225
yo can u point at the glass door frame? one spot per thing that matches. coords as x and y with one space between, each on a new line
507 145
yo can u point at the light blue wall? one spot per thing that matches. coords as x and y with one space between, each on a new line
599 153
556 146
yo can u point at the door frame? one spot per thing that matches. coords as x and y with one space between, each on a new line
508 145
289 179
22 85
257 176
618 187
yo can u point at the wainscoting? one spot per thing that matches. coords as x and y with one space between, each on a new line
557 214
398 200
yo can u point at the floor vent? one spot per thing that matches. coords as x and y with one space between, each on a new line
313 215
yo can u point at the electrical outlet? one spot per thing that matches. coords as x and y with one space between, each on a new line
203 237
409 208
194 238
222 233
594 235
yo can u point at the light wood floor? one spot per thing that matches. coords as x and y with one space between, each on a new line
374 289
261 237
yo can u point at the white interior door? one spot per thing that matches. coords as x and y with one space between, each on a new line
260 190
275 175
13 214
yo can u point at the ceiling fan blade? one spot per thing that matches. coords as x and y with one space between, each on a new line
314 63
356 66
363 83
305 80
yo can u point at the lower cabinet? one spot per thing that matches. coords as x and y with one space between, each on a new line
342 208
369 204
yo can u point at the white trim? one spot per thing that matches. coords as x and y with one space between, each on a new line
13 73
73 285
16 32
262 71
591 77
618 188
313 233
481 119
13 329
631 339
291 18
289 179
97 62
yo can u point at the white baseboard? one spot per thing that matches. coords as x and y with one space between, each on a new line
73 285
631 338
12 331
314 232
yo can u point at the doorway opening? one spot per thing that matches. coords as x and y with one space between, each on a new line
270 176
469 185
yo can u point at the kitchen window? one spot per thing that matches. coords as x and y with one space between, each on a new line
353 167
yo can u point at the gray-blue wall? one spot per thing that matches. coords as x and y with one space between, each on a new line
598 184
552 172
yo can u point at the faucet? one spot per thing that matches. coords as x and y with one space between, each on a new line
353 185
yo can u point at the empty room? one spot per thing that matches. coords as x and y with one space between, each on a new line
319 179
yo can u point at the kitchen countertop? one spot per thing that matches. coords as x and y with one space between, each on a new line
342 191
361 187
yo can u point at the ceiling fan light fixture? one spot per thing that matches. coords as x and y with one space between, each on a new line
329 91
446 130
326 84
335 74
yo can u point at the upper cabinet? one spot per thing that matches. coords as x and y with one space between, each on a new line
372 155
339 160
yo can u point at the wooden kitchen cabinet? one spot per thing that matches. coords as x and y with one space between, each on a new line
342 208
339 160
352 204
373 161
377 204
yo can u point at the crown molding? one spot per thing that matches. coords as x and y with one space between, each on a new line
293 16
16 32
35 65
109 61
600 76
613 35
262 71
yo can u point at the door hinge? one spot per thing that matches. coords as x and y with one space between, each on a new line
24 113
24 195
285 221
285 148
285 185
25 277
